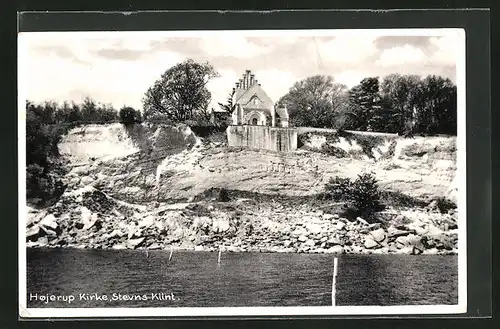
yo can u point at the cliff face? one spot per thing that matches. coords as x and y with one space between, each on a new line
159 163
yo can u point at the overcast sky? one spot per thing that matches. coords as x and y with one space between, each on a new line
118 67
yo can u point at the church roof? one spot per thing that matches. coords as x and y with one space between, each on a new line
255 90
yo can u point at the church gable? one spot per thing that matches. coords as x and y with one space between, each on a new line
249 93
254 95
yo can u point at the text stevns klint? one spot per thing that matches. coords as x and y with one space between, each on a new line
114 297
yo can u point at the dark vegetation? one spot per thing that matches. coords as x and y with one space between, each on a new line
180 93
45 125
367 142
361 197
129 115
403 104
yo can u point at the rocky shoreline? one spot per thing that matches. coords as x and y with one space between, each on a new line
90 219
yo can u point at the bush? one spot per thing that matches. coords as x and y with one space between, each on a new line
223 195
362 196
333 151
43 187
338 188
444 205
129 115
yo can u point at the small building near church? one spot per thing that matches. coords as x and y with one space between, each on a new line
256 121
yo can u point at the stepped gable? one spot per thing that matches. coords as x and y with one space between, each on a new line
248 90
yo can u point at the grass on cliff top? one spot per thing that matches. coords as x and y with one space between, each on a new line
368 141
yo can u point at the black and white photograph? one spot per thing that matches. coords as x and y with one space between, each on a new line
242 172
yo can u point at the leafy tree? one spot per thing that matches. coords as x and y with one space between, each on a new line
314 101
436 106
399 94
181 93
107 113
229 107
365 105
75 113
89 110
361 196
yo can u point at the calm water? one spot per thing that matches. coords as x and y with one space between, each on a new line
242 279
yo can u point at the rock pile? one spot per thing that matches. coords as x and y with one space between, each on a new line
89 218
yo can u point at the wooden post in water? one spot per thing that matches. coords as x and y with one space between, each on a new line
171 251
334 280
218 259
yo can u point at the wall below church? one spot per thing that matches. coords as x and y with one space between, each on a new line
262 137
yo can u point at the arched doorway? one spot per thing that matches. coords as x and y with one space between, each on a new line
255 118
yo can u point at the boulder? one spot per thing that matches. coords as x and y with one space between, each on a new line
49 222
417 251
420 230
302 238
329 216
310 242
432 251
402 241
220 225
85 214
393 232
86 180
147 221
340 226
334 241
116 233
370 243
48 232
336 250
378 235
119 247
400 220
383 250
314 228
43 241
34 233
362 221
92 221
433 231
134 243
405 251
154 246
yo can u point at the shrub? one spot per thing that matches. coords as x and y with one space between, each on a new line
129 115
444 205
223 195
362 196
333 151
338 188
365 195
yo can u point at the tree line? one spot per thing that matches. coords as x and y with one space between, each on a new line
403 104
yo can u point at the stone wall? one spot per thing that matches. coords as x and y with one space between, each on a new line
262 137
